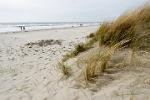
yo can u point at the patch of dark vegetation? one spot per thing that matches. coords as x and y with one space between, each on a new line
44 43
91 35
81 47
78 49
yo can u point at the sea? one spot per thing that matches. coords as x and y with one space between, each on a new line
15 27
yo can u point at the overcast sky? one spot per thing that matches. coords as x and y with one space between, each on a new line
63 10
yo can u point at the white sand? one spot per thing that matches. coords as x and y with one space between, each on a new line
31 73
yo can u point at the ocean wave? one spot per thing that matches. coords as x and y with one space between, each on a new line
16 27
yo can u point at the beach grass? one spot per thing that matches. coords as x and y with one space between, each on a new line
81 47
97 64
65 69
131 31
133 25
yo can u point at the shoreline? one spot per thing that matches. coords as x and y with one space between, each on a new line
45 29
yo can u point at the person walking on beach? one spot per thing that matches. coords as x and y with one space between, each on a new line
20 28
24 28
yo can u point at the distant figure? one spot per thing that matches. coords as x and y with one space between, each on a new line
20 28
24 28
81 24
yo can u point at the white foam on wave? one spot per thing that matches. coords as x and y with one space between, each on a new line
14 27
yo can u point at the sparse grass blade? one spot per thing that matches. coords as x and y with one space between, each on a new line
65 69
97 64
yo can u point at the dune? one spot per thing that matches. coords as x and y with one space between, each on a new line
114 64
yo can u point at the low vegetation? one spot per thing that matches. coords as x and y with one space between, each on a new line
44 43
78 49
65 69
134 25
97 64
91 35
131 30
81 47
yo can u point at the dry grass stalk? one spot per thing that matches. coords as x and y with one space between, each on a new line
98 63
65 69
131 25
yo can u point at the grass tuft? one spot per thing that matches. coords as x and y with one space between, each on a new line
65 69
81 47
97 64
91 35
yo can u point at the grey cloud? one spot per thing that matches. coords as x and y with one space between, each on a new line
63 10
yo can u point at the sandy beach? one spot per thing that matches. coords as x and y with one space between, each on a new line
28 69
74 50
